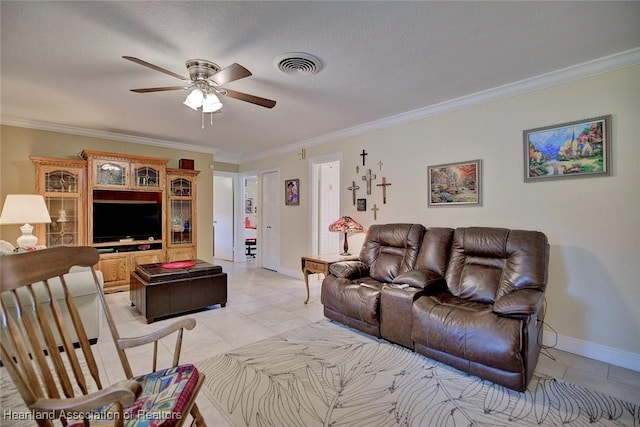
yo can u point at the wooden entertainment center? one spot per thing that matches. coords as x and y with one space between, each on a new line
74 189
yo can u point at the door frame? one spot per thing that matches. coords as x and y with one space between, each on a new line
314 179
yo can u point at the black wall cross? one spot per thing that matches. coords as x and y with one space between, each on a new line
364 153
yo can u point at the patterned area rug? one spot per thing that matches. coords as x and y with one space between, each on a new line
328 375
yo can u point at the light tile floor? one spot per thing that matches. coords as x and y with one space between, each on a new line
263 303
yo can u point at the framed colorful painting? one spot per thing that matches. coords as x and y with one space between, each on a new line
292 195
455 184
569 150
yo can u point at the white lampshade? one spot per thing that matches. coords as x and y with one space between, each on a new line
211 104
25 209
194 99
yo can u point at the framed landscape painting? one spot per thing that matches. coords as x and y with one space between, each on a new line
455 184
568 150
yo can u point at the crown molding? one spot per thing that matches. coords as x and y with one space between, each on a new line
71 130
576 72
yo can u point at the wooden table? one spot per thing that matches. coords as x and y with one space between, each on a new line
319 264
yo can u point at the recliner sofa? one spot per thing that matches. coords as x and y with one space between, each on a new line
472 297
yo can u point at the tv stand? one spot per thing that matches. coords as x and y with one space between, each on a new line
70 188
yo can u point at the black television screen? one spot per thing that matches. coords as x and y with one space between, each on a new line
114 220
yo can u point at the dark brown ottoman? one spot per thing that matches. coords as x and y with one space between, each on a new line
158 292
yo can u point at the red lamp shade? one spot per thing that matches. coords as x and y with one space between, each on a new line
346 225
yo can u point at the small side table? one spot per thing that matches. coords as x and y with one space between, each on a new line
319 264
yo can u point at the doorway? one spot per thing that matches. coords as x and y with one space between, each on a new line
250 218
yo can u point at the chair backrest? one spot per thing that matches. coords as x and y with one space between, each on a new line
391 249
487 263
28 346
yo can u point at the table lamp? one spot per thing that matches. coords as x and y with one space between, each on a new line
345 225
25 209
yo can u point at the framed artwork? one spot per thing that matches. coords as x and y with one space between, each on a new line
361 205
568 150
455 184
291 191
248 205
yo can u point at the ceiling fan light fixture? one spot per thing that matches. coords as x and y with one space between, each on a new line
211 104
194 99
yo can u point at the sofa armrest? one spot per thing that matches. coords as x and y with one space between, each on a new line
419 279
520 302
349 269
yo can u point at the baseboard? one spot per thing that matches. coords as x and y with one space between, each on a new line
614 356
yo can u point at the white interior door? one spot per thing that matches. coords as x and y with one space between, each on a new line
223 217
269 242
326 176
329 206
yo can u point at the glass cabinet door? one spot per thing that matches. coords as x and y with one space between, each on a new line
181 220
113 174
62 196
146 177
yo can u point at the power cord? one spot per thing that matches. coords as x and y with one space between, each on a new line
544 349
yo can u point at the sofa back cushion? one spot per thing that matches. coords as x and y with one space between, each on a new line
435 250
391 249
487 263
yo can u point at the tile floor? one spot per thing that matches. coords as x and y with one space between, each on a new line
262 303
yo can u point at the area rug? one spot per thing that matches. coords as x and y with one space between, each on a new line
325 374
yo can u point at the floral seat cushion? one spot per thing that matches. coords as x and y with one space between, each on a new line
165 395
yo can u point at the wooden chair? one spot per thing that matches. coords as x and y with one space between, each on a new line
52 381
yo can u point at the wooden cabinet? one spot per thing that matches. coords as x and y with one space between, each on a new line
63 184
181 214
125 172
115 270
75 190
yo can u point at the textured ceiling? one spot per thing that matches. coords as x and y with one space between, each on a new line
62 63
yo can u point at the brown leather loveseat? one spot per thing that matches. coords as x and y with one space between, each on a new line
470 297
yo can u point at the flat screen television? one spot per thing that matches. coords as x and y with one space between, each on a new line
126 219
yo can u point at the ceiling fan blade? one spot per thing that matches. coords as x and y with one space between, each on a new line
231 73
154 67
263 102
158 89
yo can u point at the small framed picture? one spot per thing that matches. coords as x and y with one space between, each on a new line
248 205
568 150
455 184
291 192
361 205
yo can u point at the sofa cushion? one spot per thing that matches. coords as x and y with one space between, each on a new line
360 301
487 263
468 330
391 249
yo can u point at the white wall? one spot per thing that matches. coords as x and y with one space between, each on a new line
593 224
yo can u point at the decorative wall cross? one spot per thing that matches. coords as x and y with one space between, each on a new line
380 164
353 189
384 189
357 169
368 177
364 153
375 210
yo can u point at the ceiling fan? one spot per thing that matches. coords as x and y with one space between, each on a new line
205 82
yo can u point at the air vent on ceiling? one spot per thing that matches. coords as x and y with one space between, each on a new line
298 63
